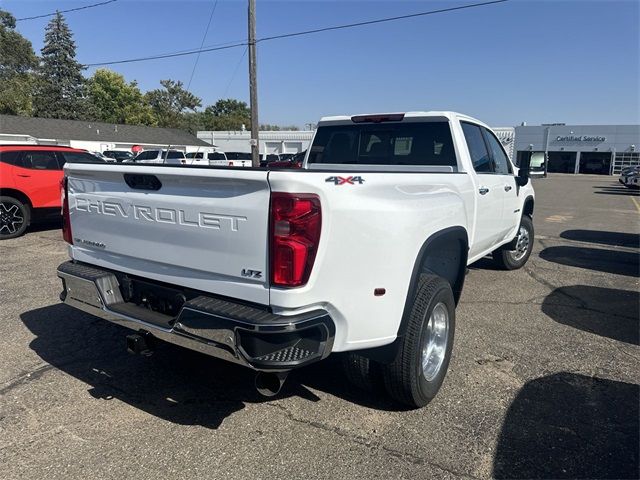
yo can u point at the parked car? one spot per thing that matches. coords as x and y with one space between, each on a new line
364 250
630 178
170 157
102 157
293 161
118 155
30 178
633 181
269 158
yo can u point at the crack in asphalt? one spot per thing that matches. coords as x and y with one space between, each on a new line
24 377
407 457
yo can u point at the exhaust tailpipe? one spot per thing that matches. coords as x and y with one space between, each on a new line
269 384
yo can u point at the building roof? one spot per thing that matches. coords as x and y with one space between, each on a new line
50 128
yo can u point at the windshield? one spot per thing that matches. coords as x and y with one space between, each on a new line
407 143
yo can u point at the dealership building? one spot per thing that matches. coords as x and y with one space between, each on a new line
595 149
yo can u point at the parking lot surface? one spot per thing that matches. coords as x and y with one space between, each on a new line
544 380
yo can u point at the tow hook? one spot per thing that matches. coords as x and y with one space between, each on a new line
270 383
140 344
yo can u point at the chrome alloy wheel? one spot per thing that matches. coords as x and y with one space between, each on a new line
522 244
435 341
11 218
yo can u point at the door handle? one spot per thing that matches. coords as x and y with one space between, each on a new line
507 188
24 176
483 190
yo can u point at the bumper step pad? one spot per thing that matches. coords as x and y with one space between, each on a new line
289 354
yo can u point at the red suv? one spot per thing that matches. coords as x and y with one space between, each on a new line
30 178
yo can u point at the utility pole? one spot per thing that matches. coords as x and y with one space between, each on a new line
253 86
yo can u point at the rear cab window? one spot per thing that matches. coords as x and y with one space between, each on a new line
415 143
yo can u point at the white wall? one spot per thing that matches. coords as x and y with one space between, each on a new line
283 141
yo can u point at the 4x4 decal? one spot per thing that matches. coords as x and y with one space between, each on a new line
345 180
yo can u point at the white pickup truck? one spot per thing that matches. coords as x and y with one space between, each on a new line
364 250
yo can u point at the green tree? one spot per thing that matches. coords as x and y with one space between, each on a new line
111 99
171 103
227 114
60 86
17 63
267 127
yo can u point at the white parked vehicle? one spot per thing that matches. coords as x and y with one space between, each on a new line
216 158
363 250
166 157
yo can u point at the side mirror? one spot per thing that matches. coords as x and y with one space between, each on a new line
523 172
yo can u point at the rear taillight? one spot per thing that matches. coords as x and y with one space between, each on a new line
296 222
66 221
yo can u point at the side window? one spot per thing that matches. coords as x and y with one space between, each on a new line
499 157
79 157
40 160
10 157
477 148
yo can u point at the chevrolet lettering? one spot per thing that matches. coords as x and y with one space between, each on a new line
160 215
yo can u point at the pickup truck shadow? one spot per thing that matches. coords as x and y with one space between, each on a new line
602 311
175 384
619 239
609 261
570 426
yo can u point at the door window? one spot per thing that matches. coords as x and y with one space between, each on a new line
40 160
501 162
78 157
480 157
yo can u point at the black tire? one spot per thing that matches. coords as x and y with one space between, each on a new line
404 378
509 259
14 217
362 373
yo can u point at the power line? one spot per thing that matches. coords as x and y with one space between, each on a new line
297 34
235 71
380 20
204 37
66 11
168 55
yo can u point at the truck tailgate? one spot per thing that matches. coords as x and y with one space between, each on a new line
205 229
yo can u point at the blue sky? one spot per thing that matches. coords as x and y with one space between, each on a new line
525 60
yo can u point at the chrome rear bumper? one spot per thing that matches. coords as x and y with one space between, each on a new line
239 333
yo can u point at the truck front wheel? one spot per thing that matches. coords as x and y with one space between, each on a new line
508 259
417 372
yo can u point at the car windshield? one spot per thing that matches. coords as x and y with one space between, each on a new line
407 143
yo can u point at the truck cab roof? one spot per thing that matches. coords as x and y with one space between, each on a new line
398 117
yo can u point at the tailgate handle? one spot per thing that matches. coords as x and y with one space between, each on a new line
142 182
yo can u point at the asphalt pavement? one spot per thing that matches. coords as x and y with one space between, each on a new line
544 380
